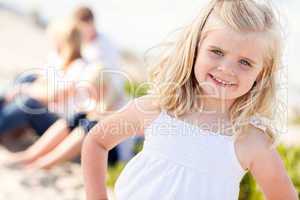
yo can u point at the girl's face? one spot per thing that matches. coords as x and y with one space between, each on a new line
228 62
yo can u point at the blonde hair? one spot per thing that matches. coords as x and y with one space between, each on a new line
69 37
173 79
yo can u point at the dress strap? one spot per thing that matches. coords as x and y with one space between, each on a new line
260 122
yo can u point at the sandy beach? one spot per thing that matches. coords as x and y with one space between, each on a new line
63 182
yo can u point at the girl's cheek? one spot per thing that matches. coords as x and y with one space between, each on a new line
206 59
246 81
204 63
199 72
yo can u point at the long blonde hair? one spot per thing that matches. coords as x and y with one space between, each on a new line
69 37
173 79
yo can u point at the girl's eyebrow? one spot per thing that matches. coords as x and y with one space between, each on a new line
218 48
215 47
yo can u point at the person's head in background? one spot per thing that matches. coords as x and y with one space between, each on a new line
85 20
66 40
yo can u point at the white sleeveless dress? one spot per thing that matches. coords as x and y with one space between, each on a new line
181 161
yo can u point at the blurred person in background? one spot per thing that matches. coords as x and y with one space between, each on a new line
62 141
98 48
39 104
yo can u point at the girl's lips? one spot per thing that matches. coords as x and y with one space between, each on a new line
219 83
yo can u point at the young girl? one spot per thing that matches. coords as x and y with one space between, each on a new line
220 72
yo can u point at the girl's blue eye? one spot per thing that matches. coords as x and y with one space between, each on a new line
244 62
217 52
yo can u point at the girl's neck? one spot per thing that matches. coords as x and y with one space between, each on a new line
215 106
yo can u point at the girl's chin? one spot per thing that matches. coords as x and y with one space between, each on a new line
217 94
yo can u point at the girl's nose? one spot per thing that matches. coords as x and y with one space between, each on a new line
226 67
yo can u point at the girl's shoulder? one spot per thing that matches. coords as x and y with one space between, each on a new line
254 142
147 103
146 107
143 110
75 68
258 130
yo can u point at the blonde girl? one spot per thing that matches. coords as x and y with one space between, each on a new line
202 120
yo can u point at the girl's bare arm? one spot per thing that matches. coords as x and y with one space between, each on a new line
105 135
267 167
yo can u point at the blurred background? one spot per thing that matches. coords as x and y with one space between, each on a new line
134 26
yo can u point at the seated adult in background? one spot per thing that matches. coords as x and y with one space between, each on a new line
98 48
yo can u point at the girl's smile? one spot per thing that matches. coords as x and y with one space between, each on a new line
221 82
